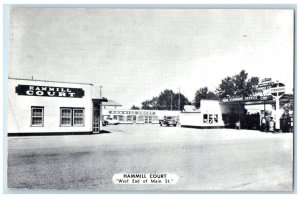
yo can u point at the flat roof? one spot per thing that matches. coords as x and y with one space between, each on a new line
283 98
111 103
50 81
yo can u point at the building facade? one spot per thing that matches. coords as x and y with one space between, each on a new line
36 106
126 116
209 115
250 111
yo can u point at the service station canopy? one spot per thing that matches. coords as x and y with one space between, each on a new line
247 99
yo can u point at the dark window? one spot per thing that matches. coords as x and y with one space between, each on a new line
216 118
210 118
204 118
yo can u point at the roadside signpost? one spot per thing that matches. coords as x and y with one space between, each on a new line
277 90
264 86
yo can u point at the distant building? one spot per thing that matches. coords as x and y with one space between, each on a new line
251 110
111 104
209 115
127 116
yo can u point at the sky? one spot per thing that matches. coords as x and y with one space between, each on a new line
135 54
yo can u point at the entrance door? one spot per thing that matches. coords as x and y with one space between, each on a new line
134 119
96 121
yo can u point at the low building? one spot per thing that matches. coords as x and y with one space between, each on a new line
126 116
209 115
250 111
39 106
111 104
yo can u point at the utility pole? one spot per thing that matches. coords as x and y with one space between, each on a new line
100 92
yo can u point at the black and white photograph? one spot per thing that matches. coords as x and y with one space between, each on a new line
150 99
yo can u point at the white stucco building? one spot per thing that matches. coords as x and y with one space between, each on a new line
36 106
208 115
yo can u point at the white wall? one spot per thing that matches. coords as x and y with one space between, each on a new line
196 118
19 109
162 113
159 113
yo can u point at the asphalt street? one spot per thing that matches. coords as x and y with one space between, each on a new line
203 159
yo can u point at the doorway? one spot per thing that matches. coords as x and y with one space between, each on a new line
134 119
96 120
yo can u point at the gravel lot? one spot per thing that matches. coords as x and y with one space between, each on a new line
203 159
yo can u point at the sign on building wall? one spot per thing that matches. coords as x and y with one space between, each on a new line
36 90
248 98
132 112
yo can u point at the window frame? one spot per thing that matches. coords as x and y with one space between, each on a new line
72 117
155 118
61 117
73 111
141 118
121 118
32 116
129 118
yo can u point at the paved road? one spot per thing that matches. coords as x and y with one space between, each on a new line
203 159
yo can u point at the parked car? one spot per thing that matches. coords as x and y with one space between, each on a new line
104 122
168 121
112 121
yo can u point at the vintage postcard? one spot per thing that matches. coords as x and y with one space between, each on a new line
109 99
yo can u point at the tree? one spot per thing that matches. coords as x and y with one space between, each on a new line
226 88
183 101
204 93
238 86
134 108
167 100
252 85
150 104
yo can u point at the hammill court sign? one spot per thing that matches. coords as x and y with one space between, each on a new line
35 90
